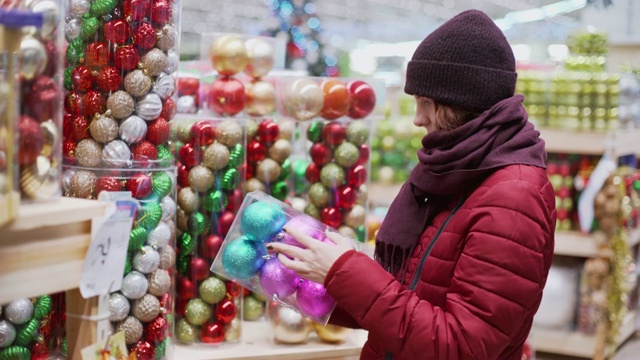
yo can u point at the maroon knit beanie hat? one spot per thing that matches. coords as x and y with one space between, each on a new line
467 62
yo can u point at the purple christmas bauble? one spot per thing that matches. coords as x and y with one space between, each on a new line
242 258
304 224
313 300
277 280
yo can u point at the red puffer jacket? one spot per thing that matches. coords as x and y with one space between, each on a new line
474 281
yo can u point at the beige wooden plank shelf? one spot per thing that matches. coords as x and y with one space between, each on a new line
256 343
625 142
575 243
42 251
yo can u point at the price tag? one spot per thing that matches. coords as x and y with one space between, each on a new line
103 266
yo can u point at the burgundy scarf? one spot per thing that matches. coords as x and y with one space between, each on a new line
452 163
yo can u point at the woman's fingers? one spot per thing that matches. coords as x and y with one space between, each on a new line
295 265
290 250
304 239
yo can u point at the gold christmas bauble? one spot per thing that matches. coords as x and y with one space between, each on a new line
289 327
229 133
228 54
39 181
280 150
188 200
303 99
356 216
261 57
254 184
268 171
216 156
261 98
201 178
331 333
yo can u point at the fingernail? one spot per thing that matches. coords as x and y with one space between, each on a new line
284 229
269 247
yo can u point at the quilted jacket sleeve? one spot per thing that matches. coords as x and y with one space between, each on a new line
496 286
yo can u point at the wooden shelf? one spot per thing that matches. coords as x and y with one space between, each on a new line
42 250
624 142
575 243
256 343
575 343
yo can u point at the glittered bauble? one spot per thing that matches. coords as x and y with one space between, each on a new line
97 54
75 51
345 197
198 312
363 99
261 57
188 200
137 83
82 184
134 285
313 300
136 10
116 154
118 307
120 104
139 185
280 150
107 183
43 99
160 236
289 327
226 311
145 351
30 140
132 328
356 216
333 134
116 31
252 309
332 216
278 281
226 96
243 258
212 290
149 107
320 154
228 54
109 79
154 62
73 103
144 36
133 129
89 153
72 29
77 8
201 178
168 208
19 311
358 133
33 57
229 133
336 99
302 99
254 184
126 58
348 232
166 38
90 26
186 332
165 85
157 330
147 260
159 282
161 12
93 102
319 195
158 131
167 258
103 128
346 154
168 109
81 78
262 221
147 308
260 98
216 156
144 151
7 333
186 105
332 175
268 171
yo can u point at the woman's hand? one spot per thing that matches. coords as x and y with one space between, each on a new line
314 262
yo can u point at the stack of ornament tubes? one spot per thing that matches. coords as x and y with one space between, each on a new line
120 86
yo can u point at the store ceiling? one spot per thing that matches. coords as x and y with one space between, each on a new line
347 21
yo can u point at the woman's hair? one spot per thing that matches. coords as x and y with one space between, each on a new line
451 117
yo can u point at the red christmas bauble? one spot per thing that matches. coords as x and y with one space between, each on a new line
126 57
158 131
82 78
336 99
320 154
210 246
312 174
226 311
552 168
139 185
248 171
183 175
225 221
181 307
80 128
564 169
562 214
331 216
52 58
109 79
364 154
168 109
234 200
97 54
212 333
188 86
333 134
189 155
233 289
107 183
227 96
30 140
67 126
345 197
157 330
203 133
268 131
363 99
73 103
145 351
69 151
198 268
144 151
135 10
43 99
39 351
256 151
186 289
94 103
357 175
144 37
166 301
116 31
160 12
563 192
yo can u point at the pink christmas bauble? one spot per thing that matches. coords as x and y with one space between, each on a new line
277 280
313 299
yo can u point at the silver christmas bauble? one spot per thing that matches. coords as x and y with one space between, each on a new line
134 285
173 62
146 260
132 328
103 128
166 37
19 311
7 333
66 180
159 237
137 83
33 57
120 104
165 86
154 62
167 258
116 154
186 104
72 29
147 308
159 282
77 8
133 129
118 307
149 107
168 208
50 14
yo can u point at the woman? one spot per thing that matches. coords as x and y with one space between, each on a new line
464 251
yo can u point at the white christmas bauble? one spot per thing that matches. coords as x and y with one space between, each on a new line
66 180
133 129
134 285
119 307
186 104
72 29
146 260
168 208
116 154
33 57
19 311
149 107
165 86
159 237
77 8
7 333
173 60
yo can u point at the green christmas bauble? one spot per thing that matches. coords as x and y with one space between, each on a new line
137 238
164 155
186 332
102 7
161 184
279 190
197 312
212 290
186 244
361 233
182 263
90 26
230 179
63 346
312 211
161 350
68 82
15 353
27 332
319 195
127 264
236 156
346 154
42 307
357 133
285 172
75 51
215 201
196 223
252 309
150 215
314 132
332 175
300 183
